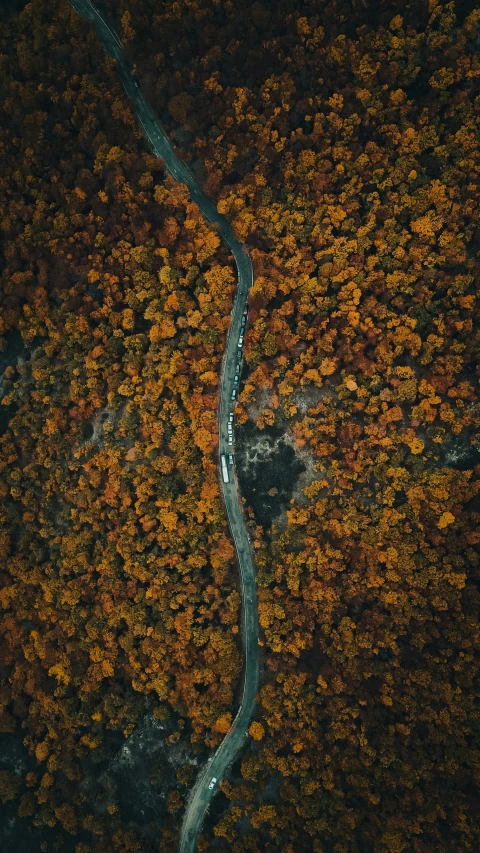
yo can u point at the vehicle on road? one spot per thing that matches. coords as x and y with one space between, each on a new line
224 469
230 459
212 783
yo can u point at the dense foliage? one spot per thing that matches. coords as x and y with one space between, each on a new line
343 145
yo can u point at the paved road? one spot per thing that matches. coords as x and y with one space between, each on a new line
159 143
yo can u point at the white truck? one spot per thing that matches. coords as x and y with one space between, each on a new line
224 468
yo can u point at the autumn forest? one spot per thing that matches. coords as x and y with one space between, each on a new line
341 140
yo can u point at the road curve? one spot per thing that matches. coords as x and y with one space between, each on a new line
201 794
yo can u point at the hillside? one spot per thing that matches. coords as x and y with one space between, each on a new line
342 143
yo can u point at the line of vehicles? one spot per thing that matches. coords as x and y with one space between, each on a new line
236 382
236 378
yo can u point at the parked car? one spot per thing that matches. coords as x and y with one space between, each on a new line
234 393
245 312
230 459
240 341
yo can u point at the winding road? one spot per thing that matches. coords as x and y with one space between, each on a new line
204 789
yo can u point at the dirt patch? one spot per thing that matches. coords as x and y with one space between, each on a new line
272 469
460 454
260 402
268 470
309 397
